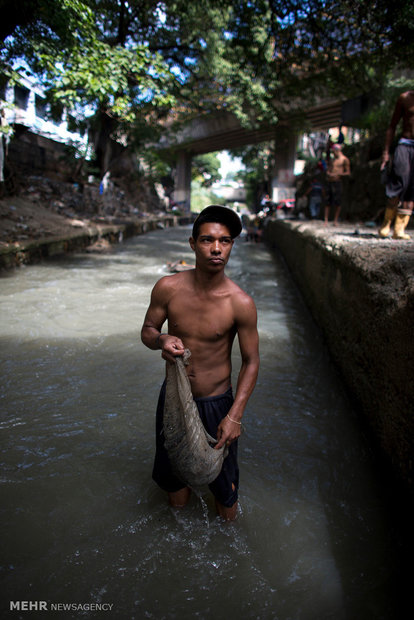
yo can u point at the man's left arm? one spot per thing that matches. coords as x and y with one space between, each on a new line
347 167
229 428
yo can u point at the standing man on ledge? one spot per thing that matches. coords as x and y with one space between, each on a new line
205 310
338 168
400 185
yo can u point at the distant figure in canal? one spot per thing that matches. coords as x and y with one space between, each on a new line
205 311
338 168
317 194
400 183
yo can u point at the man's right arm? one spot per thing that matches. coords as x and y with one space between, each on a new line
155 317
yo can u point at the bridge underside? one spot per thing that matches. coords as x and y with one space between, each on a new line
228 140
223 131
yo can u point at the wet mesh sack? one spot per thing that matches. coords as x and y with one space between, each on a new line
190 448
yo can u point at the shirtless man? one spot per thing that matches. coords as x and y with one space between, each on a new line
400 186
338 167
205 310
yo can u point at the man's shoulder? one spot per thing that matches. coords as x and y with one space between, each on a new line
407 99
172 282
404 101
239 296
175 278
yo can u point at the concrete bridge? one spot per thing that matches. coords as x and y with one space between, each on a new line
223 131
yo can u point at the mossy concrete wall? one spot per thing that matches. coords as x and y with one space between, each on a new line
361 294
31 251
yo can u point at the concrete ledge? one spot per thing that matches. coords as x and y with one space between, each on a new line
360 291
25 252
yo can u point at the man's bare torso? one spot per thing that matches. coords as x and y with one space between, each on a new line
206 323
407 114
337 168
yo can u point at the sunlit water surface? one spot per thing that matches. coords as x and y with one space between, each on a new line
81 519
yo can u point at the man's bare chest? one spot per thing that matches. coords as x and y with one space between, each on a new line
408 122
209 319
337 166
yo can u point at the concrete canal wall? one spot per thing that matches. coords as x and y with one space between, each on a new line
360 291
34 250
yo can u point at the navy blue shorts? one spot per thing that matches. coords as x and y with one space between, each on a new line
401 179
212 410
335 193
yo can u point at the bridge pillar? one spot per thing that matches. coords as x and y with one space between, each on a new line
283 180
182 191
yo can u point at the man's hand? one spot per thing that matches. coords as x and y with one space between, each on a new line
227 432
385 160
171 347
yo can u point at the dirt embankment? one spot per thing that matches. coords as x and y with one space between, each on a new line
50 208
49 217
23 220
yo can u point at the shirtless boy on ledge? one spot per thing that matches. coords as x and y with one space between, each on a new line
205 310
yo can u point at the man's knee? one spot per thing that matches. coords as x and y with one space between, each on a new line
179 499
393 202
228 513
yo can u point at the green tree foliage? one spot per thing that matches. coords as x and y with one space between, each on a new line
60 21
87 57
258 163
202 196
142 65
299 50
205 169
377 119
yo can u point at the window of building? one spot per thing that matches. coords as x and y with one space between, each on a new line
56 113
41 107
21 96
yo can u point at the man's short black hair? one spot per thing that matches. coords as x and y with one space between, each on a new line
220 214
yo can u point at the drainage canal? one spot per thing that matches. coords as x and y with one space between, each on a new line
82 521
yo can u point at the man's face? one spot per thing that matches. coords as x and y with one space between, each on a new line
213 246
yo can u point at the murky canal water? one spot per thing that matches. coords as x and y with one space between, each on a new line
83 523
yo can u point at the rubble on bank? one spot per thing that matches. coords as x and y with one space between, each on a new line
52 217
